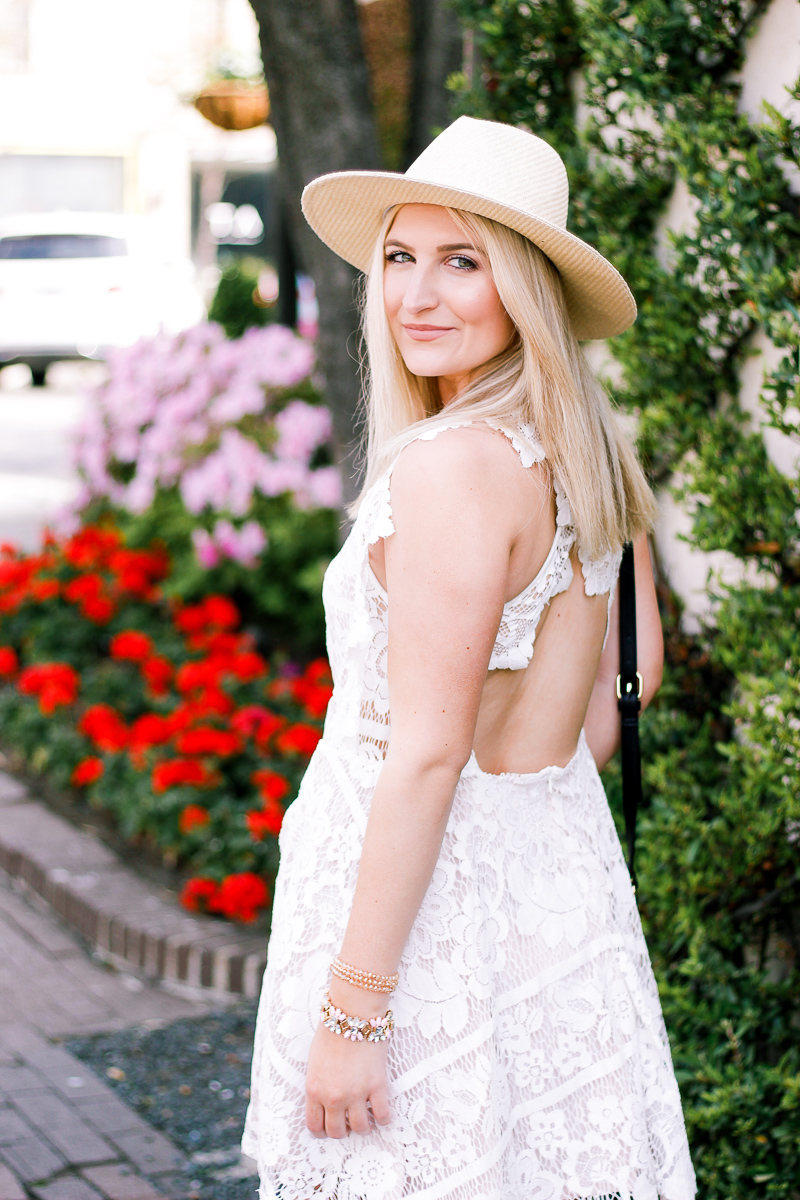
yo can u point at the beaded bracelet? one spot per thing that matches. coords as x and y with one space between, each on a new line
356 1029
367 980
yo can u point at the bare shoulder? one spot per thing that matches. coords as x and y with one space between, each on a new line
461 462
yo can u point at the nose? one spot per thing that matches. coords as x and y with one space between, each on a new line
420 294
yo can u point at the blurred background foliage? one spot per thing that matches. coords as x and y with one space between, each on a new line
639 97
237 303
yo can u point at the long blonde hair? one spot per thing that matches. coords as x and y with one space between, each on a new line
541 379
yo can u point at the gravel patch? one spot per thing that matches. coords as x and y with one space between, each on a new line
190 1080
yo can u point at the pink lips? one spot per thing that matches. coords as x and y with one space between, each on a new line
426 333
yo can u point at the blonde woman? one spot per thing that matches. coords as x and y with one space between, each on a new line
452 898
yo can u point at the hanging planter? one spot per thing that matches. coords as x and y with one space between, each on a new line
234 105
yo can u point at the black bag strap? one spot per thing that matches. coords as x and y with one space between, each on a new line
629 697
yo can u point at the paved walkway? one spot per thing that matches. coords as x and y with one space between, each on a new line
64 1134
36 432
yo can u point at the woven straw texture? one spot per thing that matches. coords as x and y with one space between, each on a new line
493 170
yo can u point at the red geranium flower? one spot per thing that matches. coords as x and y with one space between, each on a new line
158 672
55 684
136 571
298 739
220 613
205 739
132 646
98 609
319 670
45 589
270 784
314 688
212 613
265 822
223 645
88 770
313 696
181 772
258 723
211 701
193 676
240 896
193 816
247 666
198 893
90 547
9 664
83 588
151 730
103 725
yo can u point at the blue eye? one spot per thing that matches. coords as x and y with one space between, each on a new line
462 263
396 256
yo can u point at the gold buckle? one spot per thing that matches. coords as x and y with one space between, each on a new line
640 683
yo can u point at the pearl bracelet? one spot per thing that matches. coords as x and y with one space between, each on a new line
356 1029
367 980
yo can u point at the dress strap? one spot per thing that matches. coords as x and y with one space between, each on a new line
377 506
525 440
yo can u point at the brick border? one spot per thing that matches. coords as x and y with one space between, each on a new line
127 920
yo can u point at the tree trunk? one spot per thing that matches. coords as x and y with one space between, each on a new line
437 54
323 120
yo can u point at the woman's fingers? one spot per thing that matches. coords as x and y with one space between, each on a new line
315 1118
379 1103
335 1123
358 1117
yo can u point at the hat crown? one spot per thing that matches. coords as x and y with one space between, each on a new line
511 165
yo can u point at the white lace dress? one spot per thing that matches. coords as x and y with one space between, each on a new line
531 1060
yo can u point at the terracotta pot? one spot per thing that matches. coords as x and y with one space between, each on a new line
234 105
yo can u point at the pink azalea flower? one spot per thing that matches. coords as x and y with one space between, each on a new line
301 429
208 554
167 396
325 487
252 543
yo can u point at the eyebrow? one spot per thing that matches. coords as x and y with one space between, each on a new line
439 249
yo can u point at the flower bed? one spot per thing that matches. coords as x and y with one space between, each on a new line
164 713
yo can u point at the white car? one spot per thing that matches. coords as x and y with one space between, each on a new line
77 285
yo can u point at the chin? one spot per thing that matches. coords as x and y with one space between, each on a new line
427 367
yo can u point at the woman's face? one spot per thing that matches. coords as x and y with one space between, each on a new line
442 305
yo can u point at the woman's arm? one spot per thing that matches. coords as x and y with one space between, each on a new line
446 569
602 722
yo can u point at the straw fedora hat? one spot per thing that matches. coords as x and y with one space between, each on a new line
493 170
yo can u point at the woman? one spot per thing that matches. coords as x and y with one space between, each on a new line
467 861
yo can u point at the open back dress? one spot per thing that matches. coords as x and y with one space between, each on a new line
530 1060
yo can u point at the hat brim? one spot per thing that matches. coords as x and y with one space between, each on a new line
346 209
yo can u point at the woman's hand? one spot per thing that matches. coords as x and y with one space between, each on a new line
343 1077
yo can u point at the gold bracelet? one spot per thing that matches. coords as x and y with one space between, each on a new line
356 1029
367 980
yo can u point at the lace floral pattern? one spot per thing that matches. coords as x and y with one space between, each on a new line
531 1060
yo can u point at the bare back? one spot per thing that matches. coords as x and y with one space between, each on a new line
531 713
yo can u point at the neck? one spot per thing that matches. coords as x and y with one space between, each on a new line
450 386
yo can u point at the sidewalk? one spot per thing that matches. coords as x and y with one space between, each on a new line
64 1135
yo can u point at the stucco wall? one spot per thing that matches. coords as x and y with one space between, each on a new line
772 64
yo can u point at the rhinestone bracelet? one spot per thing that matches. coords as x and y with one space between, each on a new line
357 1029
367 980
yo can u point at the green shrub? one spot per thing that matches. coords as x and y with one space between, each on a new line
237 305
